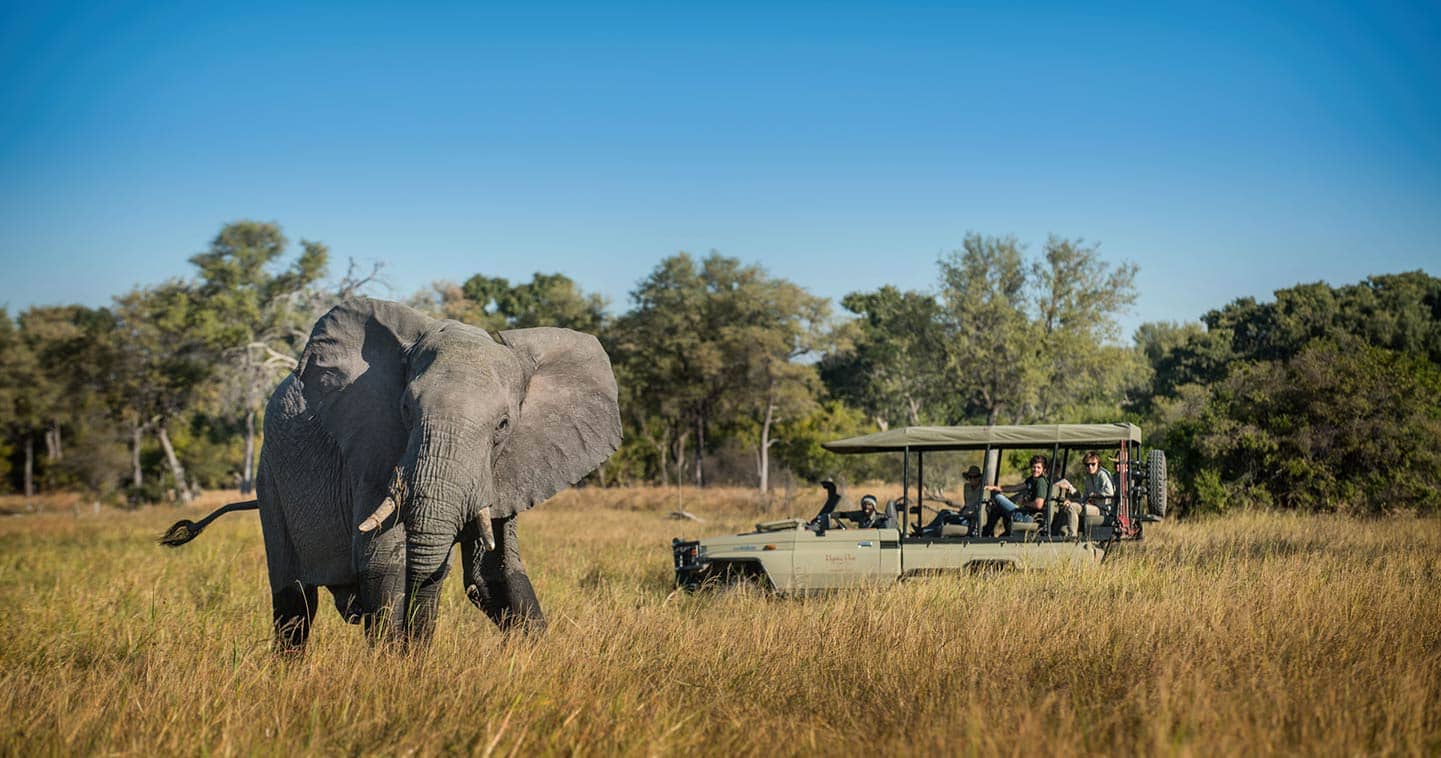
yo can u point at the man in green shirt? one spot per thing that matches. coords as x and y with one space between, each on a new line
1031 492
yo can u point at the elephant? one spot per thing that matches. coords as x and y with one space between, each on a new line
399 435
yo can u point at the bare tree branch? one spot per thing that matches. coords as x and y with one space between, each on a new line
351 284
272 357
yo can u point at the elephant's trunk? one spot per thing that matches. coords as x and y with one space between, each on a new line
444 486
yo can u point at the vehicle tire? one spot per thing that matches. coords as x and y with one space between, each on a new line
739 576
1156 482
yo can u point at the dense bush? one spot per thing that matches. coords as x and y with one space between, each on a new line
1340 426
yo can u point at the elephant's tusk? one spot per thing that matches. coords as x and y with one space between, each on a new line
487 530
373 521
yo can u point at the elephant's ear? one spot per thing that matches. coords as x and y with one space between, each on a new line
569 418
352 373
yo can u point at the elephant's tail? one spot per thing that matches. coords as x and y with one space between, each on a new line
186 530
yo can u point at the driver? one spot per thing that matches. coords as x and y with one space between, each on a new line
866 517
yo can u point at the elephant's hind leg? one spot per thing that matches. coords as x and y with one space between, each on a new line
291 600
294 613
496 582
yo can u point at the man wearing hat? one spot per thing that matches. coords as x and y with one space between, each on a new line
971 492
969 505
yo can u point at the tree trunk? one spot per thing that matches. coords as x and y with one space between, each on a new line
680 443
247 475
137 476
53 450
182 487
662 449
763 455
699 450
29 466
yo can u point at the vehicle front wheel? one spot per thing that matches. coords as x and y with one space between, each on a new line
744 576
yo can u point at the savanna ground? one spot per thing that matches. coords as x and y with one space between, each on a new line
1253 634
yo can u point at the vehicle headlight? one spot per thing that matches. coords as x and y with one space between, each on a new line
687 553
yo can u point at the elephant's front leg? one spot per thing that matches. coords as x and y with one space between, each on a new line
495 580
380 565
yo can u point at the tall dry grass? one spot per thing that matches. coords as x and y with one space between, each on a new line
1260 633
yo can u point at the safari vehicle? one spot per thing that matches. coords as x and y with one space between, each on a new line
795 556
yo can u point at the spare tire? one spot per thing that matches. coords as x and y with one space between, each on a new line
1156 482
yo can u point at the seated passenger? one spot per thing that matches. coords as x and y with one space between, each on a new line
969 507
1032 492
1097 491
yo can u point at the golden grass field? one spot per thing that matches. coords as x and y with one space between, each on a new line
1254 634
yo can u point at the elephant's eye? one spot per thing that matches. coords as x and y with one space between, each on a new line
501 428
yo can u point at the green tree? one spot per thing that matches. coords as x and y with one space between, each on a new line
994 350
162 361
252 317
1340 426
711 346
764 326
62 341
495 304
1079 297
1233 403
890 361
1400 312
800 448
668 354
23 396
1028 342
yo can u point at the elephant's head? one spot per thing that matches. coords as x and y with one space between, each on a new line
448 426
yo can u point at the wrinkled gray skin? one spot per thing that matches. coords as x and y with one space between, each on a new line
458 432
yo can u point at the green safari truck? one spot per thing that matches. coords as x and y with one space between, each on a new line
794 556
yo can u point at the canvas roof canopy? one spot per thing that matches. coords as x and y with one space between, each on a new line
981 437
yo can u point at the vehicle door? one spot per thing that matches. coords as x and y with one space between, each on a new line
846 558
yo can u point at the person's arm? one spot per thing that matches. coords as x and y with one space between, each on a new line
1041 485
1102 488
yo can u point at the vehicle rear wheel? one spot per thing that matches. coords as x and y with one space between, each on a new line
1156 482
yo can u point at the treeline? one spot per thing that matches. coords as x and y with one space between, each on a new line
1325 399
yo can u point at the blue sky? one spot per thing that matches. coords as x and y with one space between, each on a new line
1228 149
